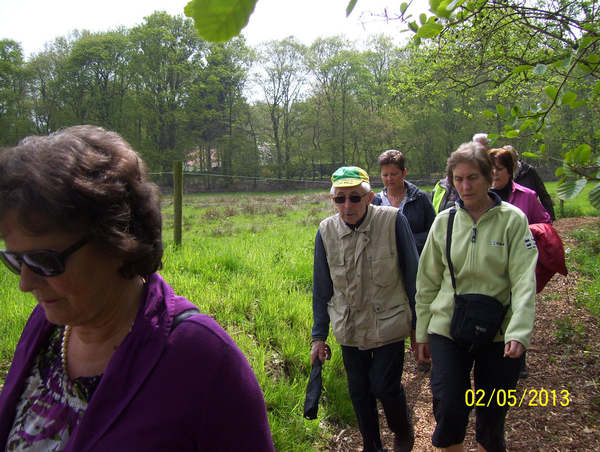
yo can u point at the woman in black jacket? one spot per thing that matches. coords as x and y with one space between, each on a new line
398 192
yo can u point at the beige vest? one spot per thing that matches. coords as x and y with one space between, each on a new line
369 307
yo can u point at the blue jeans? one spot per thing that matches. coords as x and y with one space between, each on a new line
377 374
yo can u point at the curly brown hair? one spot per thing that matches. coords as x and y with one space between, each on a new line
86 181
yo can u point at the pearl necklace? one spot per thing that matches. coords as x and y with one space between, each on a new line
63 348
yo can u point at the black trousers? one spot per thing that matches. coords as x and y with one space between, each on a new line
377 374
450 381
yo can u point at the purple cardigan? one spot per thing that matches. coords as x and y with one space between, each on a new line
191 390
526 200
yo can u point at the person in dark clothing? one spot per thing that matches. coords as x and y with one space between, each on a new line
406 196
364 286
527 176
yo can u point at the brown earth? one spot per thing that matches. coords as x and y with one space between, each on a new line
564 355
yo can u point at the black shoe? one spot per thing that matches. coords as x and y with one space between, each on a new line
406 442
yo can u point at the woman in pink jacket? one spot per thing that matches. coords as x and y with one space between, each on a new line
513 193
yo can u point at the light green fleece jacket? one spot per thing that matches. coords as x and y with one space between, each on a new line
495 256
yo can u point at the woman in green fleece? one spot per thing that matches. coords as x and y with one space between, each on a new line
492 253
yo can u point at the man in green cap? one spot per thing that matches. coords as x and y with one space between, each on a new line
364 285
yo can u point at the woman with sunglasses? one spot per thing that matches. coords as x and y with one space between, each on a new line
105 362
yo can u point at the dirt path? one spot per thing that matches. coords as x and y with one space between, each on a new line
564 355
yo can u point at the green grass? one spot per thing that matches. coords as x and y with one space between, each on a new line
586 259
576 207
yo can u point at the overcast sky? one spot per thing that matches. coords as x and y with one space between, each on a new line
35 22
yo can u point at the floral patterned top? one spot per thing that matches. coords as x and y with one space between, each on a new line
51 404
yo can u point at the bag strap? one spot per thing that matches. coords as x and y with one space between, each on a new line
181 317
448 243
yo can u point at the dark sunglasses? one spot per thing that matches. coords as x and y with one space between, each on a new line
354 199
41 262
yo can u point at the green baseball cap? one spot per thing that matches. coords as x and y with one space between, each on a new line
349 176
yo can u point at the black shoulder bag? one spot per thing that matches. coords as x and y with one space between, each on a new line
477 318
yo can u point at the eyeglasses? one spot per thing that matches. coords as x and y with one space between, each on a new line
41 262
354 199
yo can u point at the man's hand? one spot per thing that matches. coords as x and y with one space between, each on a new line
319 350
413 344
513 349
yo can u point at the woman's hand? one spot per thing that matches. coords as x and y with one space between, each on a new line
513 349
319 350
423 352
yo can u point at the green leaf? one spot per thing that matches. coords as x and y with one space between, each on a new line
597 88
568 160
579 103
443 10
413 26
564 64
568 171
526 124
429 30
582 153
530 154
594 196
489 114
423 18
500 110
515 111
350 7
584 68
551 92
568 98
523 68
512 121
570 189
219 20
542 148
434 5
512 134
584 43
585 155
403 7
593 58
540 69
559 171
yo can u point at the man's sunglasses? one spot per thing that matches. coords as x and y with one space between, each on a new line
354 199
41 262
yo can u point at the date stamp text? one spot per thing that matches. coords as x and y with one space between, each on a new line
510 397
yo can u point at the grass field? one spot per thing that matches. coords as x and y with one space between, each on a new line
246 259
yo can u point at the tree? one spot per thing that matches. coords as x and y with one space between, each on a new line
14 108
98 63
167 56
281 78
548 49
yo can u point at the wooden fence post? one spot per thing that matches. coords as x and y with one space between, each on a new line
177 201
